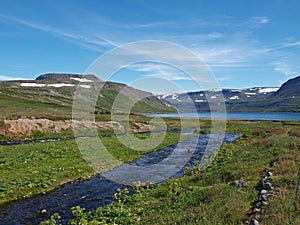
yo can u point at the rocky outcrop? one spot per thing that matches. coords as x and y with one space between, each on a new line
66 76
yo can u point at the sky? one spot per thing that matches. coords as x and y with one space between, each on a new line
244 43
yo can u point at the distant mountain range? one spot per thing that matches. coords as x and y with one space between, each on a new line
284 98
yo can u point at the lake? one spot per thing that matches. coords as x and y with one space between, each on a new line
237 115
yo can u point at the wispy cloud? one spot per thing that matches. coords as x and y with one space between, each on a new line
232 54
284 68
145 25
261 19
93 42
159 70
287 44
169 76
4 77
225 78
216 46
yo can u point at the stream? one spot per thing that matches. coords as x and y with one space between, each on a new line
98 190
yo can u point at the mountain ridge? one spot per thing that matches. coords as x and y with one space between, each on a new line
284 98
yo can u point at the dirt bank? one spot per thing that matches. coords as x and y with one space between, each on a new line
26 127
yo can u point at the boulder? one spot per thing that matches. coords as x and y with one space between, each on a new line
264 185
239 184
267 186
269 174
262 195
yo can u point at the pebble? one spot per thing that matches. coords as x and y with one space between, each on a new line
254 222
43 212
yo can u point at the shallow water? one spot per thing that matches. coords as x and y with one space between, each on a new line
98 190
256 116
22 142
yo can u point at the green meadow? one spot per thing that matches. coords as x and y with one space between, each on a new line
204 195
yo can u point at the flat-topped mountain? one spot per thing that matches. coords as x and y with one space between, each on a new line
67 76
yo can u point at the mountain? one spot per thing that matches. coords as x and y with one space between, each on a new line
67 76
285 98
290 89
51 96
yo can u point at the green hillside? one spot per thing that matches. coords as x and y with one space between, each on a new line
53 98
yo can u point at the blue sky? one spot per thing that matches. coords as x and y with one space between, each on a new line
244 43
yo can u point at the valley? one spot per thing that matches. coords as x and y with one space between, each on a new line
37 174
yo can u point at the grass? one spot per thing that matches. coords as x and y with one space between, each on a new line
13 107
206 196
39 167
56 103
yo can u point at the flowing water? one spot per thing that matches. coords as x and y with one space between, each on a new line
98 190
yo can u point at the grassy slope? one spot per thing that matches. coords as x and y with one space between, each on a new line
56 103
208 198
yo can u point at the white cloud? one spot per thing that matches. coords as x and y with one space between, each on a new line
159 70
169 76
254 22
5 77
284 68
262 19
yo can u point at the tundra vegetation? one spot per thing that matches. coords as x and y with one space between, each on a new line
202 196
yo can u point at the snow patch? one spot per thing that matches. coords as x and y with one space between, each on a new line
267 90
81 79
85 86
250 93
174 97
61 85
200 100
165 96
216 89
32 85
234 97
236 91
